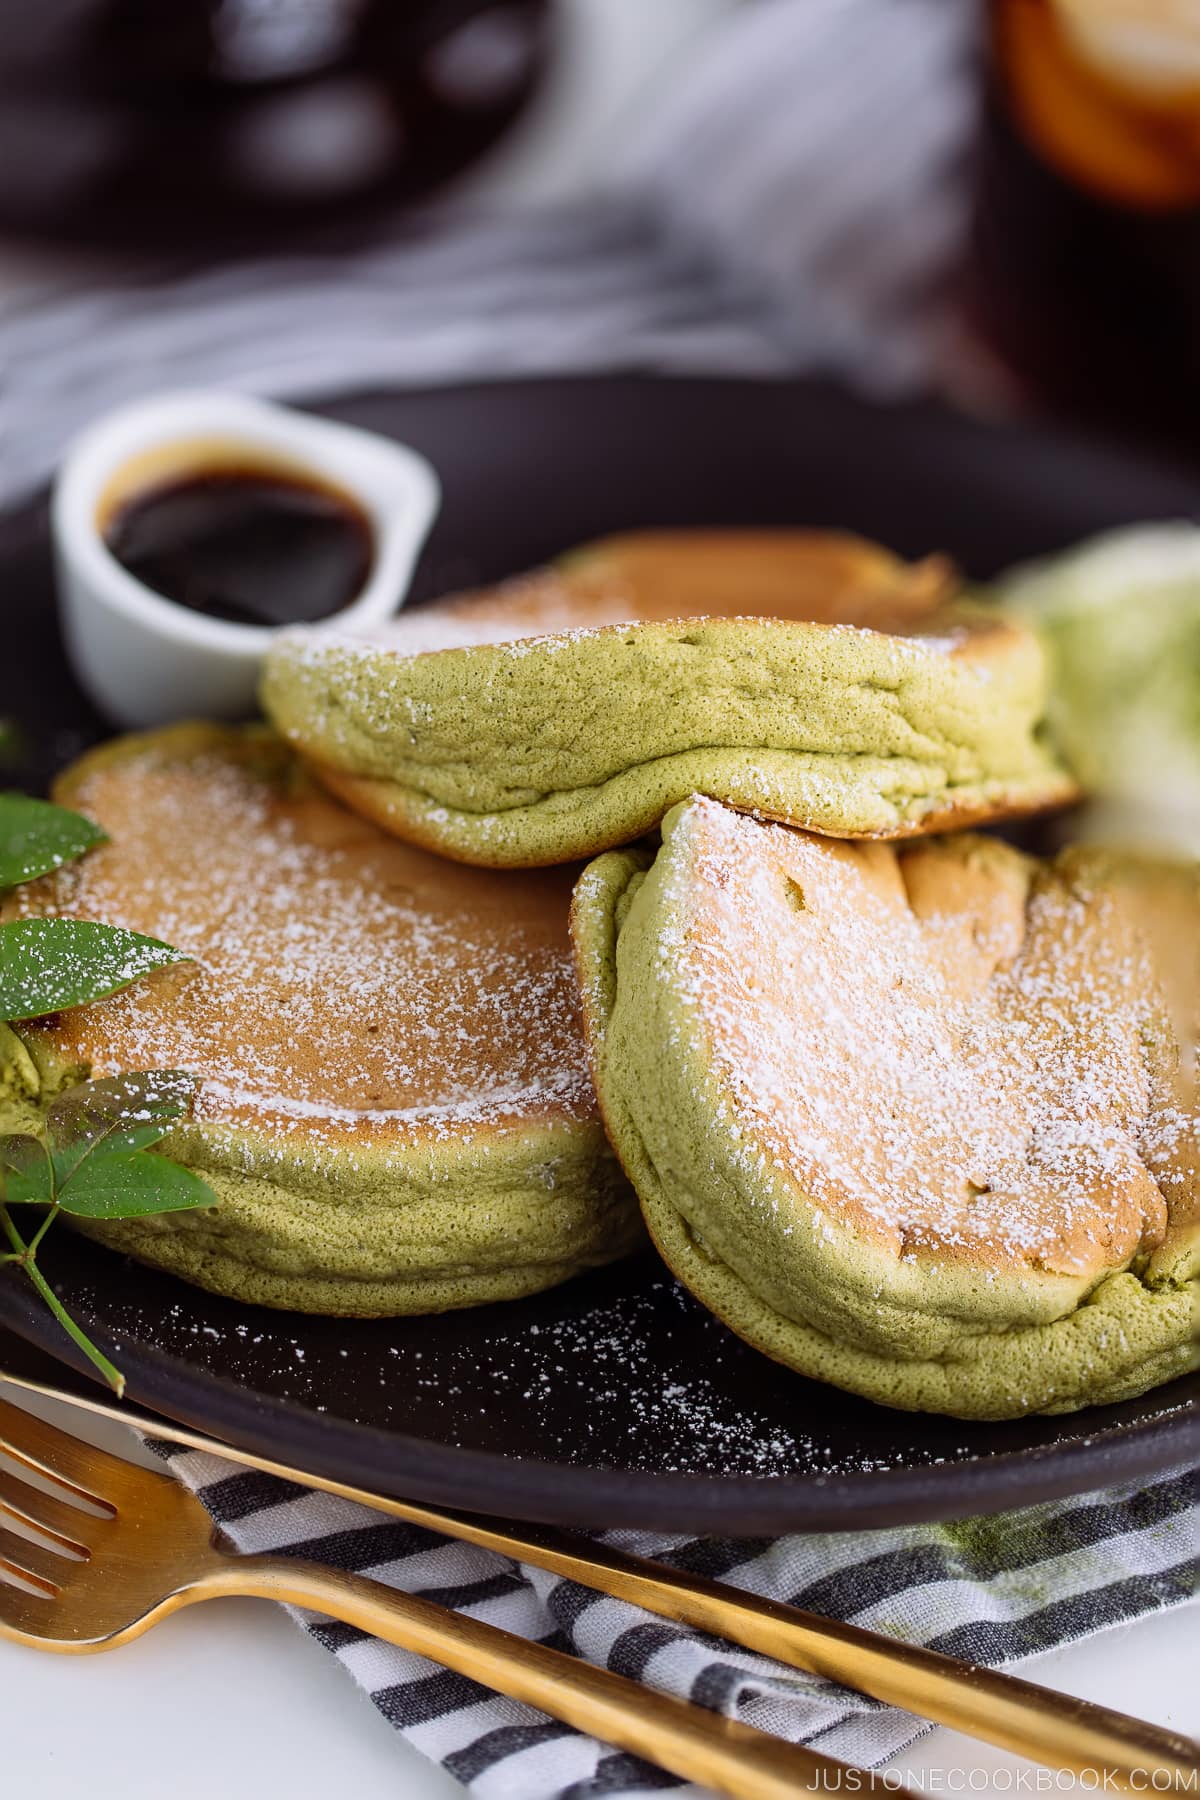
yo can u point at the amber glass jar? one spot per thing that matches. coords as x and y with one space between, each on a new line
1085 264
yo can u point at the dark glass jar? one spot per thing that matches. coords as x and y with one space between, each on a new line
1085 252
204 121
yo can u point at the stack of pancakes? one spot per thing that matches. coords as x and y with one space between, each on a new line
915 1117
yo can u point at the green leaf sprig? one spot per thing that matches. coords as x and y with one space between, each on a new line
92 1157
36 837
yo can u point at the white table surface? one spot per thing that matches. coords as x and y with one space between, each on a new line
231 1699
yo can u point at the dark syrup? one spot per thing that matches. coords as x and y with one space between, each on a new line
246 545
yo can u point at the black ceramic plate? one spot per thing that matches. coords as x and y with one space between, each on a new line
615 1399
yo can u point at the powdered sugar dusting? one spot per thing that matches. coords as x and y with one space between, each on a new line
620 1368
946 1047
343 984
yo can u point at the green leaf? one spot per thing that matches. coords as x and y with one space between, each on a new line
129 1184
28 1174
36 837
12 742
49 964
26 1255
118 1112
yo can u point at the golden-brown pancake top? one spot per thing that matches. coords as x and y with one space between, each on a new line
345 985
955 1050
829 578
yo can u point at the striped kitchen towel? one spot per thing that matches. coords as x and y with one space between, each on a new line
991 1590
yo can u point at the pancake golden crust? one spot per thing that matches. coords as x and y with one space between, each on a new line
920 1121
394 1109
802 676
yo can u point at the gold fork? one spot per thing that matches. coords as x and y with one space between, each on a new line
1056 1729
120 1547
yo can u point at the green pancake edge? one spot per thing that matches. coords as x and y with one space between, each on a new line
543 749
822 1298
362 1232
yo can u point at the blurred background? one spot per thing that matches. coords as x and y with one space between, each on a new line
996 199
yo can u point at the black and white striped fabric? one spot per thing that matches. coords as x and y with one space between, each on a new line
991 1590
791 200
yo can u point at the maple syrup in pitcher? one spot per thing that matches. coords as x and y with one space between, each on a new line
252 546
1085 257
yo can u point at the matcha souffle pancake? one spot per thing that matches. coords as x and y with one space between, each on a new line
917 1120
394 1106
802 676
